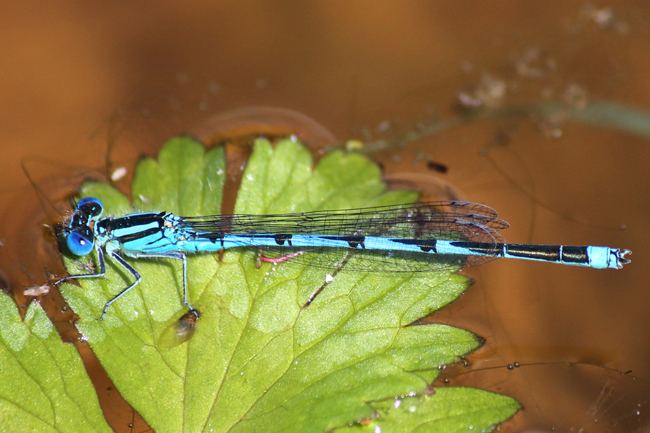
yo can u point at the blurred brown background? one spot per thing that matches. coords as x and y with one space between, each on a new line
72 70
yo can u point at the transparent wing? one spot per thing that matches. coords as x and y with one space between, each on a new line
445 220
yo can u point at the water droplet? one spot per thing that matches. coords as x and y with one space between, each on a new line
397 403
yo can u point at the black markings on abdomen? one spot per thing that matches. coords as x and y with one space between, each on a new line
550 253
574 255
281 239
353 241
426 245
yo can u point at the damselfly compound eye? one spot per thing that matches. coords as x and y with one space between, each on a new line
91 206
80 244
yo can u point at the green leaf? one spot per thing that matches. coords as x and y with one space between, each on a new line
43 383
260 360
447 410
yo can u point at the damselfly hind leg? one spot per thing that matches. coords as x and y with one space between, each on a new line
275 260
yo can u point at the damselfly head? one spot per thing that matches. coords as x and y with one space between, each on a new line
77 230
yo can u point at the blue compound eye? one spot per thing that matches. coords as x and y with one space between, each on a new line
91 206
80 244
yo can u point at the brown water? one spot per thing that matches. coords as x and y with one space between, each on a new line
78 76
